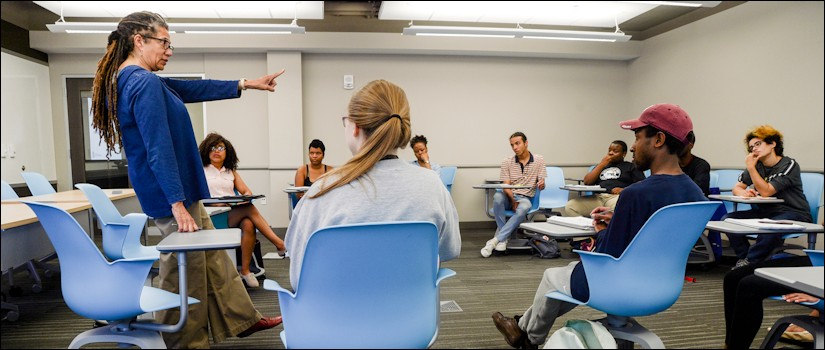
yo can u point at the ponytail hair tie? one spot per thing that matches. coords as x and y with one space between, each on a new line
395 116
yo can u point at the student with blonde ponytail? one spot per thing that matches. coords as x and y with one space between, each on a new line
144 114
374 185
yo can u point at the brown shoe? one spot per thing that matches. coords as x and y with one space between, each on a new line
264 323
510 329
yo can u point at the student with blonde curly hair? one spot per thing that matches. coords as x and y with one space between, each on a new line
768 173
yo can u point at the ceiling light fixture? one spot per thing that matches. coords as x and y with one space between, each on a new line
189 28
517 33
679 3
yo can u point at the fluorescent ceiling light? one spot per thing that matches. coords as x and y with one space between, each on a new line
601 14
516 33
680 3
187 9
192 28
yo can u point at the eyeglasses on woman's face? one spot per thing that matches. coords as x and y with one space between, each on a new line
167 44
344 121
218 148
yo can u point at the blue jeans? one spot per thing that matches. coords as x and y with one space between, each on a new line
765 243
501 203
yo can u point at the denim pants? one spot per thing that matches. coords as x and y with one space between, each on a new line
765 243
501 203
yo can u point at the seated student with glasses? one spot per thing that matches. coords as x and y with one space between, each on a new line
768 173
315 169
220 164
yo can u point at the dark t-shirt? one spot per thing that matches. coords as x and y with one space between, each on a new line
621 174
786 178
699 171
635 205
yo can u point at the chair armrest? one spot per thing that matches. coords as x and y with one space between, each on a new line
136 219
563 297
443 273
596 264
274 286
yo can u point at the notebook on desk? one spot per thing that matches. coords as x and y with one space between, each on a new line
724 196
767 224
578 222
240 197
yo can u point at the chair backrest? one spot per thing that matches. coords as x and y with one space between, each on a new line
114 240
727 179
8 192
552 196
812 187
649 275
815 256
714 179
92 287
447 175
103 206
366 286
38 184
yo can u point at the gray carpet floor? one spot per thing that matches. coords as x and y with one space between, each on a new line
481 287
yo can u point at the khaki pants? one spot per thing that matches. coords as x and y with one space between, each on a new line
224 306
582 206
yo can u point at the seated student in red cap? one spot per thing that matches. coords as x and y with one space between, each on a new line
661 135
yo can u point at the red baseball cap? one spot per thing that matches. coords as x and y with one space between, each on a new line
667 117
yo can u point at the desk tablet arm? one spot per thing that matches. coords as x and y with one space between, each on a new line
274 286
443 273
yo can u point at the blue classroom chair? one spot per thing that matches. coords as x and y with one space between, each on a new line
447 175
38 184
726 180
8 192
552 196
648 277
101 290
121 234
385 296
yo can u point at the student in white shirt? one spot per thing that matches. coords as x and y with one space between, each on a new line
220 164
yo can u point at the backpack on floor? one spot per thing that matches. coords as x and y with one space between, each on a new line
581 334
543 246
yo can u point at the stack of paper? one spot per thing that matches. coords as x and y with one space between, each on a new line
579 222
767 224
583 187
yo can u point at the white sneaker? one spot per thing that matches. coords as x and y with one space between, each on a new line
250 280
488 248
501 246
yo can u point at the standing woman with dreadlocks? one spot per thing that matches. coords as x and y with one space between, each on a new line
374 185
145 115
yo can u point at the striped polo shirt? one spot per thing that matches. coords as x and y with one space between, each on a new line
518 174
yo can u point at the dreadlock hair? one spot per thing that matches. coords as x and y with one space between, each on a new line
380 109
104 90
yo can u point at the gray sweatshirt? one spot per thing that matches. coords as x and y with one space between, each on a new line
393 190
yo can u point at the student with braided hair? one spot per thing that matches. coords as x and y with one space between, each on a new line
145 115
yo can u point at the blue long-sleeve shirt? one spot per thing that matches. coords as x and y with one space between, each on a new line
636 204
158 140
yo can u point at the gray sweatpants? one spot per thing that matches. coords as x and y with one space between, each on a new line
539 318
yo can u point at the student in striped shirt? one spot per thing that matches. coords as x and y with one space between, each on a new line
524 168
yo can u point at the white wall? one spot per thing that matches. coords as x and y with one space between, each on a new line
26 121
756 63
752 63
